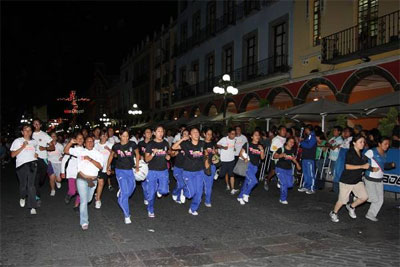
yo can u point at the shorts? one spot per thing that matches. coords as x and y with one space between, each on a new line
102 175
227 168
357 189
54 168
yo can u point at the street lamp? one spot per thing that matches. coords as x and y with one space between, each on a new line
105 120
224 87
23 120
135 110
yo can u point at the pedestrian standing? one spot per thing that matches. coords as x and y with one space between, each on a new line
142 151
309 148
227 151
54 164
177 194
24 149
125 152
211 147
334 145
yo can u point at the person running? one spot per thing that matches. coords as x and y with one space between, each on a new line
340 161
45 144
193 167
24 149
112 139
309 148
286 155
54 164
124 152
251 153
277 142
351 179
227 152
157 155
374 176
142 151
69 170
104 147
210 147
177 194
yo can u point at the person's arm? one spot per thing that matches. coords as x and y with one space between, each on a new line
357 167
389 165
110 159
278 154
94 162
177 145
221 144
68 146
309 142
241 155
19 150
137 159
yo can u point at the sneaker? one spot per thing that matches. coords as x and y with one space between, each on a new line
216 176
194 213
119 192
245 198
97 204
352 212
151 215
278 184
67 199
234 191
334 217
208 205
159 195
241 201
183 198
302 189
266 187
174 198
372 218
310 192
128 220
22 202
85 226
283 202
52 193
110 188
145 202
228 188
33 211
58 184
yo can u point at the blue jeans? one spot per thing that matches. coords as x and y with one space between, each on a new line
157 181
180 184
127 184
250 181
208 184
308 166
286 181
86 195
193 187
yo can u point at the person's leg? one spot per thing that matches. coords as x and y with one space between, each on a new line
163 182
144 188
52 176
190 186
208 184
283 180
99 189
40 175
83 189
22 174
251 174
198 190
124 191
361 193
31 173
311 165
179 182
344 192
307 169
151 190
245 185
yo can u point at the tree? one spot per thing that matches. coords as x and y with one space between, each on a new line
387 124
341 120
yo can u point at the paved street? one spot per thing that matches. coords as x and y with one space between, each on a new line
261 233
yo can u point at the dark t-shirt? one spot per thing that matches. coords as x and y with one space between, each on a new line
180 159
353 176
158 162
254 153
194 156
125 155
142 147
285 163
210 147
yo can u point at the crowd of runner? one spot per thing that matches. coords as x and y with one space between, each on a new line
353 159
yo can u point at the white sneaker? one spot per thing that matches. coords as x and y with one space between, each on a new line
245 198
194 213
241 201
52 193
372 218
33 211
310 192
22 202
97 204
228 188
151 215
207 205
234 191
216 176
283 202
334 217
128 220
352 212
159 195
119 192
145 202
183 198
58 185
302 189
174 198
85 226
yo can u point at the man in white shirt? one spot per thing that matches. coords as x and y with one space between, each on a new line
240 141
227 150
111 137
178 135
276 143
334 144
44 144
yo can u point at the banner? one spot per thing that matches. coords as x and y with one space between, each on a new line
391 179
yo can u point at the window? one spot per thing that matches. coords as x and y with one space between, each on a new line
250 54
210 66
367 17
196 25
227 59
280 45
211 16
317 23
229 12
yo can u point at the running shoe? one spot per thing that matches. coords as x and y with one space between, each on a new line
302 189
352 212
22 202
67 199
208 205
334 217
58 184
371 218
241 201
33 211
151 215
174 198
194 213
85 226
266 187
52 193
183 198
145 202
234 191
228 188
310 192
97 204
245 198
128 220
119 192
283 202
159 195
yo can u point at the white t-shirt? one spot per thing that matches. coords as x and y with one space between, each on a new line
379 174
133 138
27 154
72 169
227 154
113 140
346 142
43 140
54 156
104 152
240 141
277 142
170 139
334 153
176 138
85 166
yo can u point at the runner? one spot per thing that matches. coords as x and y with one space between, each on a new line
210 147
157 155
54 166
24 148
142 151
178 173
251 153
124 152
227 146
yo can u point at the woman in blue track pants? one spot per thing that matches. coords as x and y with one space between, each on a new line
210 147
142 151
177 193
157 155
124 152
286 155
193 167
252 153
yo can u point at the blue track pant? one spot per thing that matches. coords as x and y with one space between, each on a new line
157 181
285 180
193 187
127 183
208 184
180 184
308 166
250 181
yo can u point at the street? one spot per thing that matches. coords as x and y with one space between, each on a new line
260 233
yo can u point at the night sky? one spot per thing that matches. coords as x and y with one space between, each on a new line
49 48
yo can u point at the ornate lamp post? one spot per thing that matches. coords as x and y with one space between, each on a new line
224 87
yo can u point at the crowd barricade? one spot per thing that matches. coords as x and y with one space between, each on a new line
265 164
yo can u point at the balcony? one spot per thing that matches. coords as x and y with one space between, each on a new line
370 38
253 72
